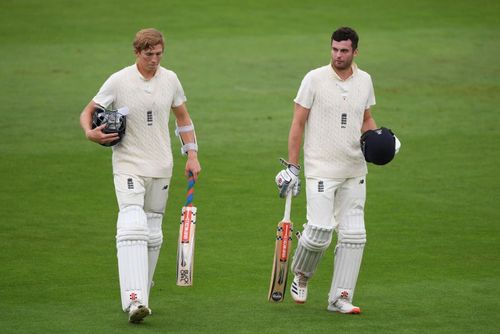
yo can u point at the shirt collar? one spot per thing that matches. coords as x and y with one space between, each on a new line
157 73
354 68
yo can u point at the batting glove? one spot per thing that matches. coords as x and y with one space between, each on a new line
397 144
288 180
296 188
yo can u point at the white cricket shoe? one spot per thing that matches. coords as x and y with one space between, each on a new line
342 305
299 288
138 312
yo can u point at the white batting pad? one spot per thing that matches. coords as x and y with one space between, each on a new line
345 271
352 229
155 241
132 253
312 244
348 255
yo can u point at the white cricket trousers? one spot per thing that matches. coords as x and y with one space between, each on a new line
149 193
330 201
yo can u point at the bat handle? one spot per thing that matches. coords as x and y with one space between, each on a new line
288 207
190 190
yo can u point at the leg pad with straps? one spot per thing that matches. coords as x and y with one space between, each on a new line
311 246
132 253
348 256
155 240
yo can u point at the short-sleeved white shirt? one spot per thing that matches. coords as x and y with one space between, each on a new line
333 128
145 149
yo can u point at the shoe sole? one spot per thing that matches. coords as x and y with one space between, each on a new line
355 310
139 315
297 301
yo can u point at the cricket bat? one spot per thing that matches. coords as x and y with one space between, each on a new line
185 248
282 249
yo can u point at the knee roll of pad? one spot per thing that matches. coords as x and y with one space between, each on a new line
352 230
316 238
352 237
155 234
132 225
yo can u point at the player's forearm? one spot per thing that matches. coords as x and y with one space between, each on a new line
294 141
368 122
296 131
187 137
192 155
183 119
85 122
185 131
86 117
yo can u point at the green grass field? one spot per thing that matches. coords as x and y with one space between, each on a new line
432 260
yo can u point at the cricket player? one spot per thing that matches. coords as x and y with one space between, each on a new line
333 108
142 161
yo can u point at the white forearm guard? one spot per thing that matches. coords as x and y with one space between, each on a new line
186 146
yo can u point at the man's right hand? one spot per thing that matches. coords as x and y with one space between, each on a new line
288 180
96 135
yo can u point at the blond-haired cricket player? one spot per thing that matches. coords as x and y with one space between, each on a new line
142 161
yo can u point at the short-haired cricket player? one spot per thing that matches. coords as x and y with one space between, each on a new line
332 111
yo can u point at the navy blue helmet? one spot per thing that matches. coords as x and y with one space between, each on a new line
378 146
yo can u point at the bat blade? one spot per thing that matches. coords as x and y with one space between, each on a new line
279 273
185 248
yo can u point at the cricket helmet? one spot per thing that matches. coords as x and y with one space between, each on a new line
115 122
378 146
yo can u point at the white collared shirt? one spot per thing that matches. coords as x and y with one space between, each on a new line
145 149
333 128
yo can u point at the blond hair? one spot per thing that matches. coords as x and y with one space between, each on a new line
148 38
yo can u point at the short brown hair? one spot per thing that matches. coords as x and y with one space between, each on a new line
148 38
345 34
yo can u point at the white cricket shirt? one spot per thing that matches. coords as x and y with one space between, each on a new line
333 128
145 149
